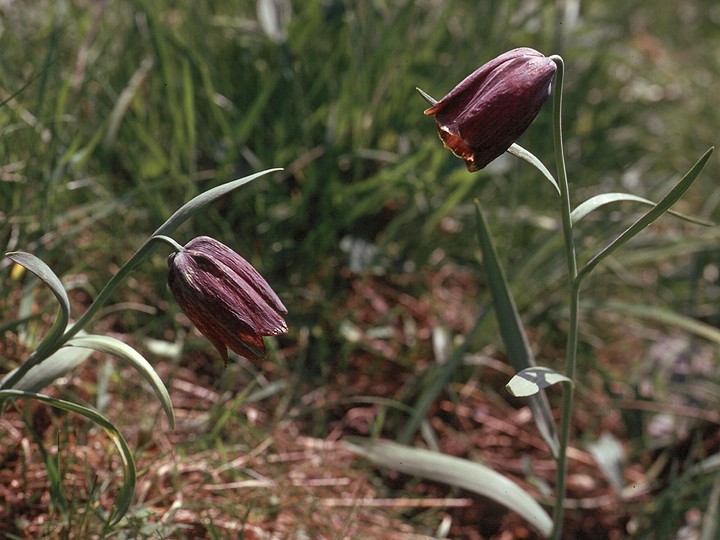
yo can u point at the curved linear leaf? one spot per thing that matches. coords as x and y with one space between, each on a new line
512 331
530 381
191 207
122 503
144 251
52 368
518 151
654 213
597 201
183 213
126 353
38 267
455 472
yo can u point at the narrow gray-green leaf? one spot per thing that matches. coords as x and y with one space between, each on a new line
38 267
144 251
518 151
124 498
653 214
197 203
532 380
709 465
512 330
49 370
455 472
597 201
126 353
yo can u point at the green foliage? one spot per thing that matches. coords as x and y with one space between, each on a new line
125 494
456 472
49 361
112 115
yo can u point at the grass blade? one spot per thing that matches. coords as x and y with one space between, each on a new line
664 316
437 379
711 519
511 329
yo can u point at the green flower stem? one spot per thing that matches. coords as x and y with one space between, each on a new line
561 171
142 254
181 214
169 241
38 356
566 410
173 222
572 338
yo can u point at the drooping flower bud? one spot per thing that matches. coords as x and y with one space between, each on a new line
487 112
225 297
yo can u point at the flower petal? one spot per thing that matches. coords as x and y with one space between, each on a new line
487 112
225 297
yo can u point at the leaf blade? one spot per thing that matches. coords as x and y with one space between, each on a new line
518 151
38 267
593 203
194 205
454 471
126 353
532 380
651 215
52 368
512 330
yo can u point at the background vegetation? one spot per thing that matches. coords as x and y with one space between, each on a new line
114 113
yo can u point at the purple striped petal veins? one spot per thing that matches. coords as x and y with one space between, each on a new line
228 301
489 110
